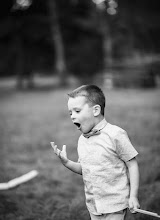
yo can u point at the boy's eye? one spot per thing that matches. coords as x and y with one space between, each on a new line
76 111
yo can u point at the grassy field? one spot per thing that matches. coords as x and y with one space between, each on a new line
29 120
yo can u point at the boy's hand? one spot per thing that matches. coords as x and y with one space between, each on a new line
62 154
133 204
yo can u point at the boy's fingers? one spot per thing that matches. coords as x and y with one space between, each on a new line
131 207
64 148
52 144
132 211
56 150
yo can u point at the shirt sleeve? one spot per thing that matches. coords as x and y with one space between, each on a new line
124 147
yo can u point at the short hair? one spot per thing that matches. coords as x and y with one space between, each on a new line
93 94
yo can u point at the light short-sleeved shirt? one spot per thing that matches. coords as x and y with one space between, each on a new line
103 159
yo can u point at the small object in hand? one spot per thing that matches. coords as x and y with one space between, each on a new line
147 212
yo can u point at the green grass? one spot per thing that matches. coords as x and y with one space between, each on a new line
29 120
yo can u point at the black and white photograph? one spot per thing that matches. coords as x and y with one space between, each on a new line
79 110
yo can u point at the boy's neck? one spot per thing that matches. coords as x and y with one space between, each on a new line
98 119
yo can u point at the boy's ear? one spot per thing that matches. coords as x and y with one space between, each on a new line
96 110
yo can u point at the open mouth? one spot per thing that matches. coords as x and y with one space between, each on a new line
78 125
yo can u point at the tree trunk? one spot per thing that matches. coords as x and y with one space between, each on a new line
60 63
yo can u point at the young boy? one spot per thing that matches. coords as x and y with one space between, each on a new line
107 159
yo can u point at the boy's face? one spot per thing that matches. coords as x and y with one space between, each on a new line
81 113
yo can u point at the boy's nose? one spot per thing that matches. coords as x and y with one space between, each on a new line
72 117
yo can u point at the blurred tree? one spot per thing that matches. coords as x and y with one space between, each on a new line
82 38
30 21
25 42
134 47
60 34
75 37
127 42
60 61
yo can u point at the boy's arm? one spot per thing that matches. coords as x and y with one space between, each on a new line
71 165
74 166
134 184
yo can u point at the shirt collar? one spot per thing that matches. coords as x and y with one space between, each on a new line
101 124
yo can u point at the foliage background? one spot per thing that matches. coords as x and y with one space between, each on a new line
87 42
